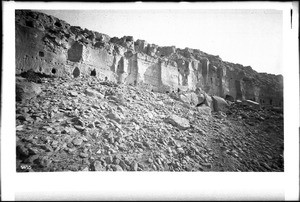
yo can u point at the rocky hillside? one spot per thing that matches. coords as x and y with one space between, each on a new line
89 102
85 124
51 46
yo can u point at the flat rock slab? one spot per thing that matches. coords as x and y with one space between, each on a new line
177 121
251 103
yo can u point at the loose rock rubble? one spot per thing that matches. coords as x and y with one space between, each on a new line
85 124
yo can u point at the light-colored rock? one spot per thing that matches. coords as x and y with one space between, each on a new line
77 141
83 155
115 116
117 168
93 93
204 110
184 98
251 103
208 101
73 94
177 121
219 104
98 166
134 166
192 98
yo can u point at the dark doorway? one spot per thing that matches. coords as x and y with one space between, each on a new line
93 73
41 54
53 71
76 72
238 89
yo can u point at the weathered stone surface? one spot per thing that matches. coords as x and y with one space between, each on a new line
219 104
204 110
177 121
98 166
117 168
115 116
209 102
52 47
27 90
93 93
77 141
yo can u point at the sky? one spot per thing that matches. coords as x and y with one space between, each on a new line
248 37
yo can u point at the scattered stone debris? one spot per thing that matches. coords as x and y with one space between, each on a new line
69 127
84 103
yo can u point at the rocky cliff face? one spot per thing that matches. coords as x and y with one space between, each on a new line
51 46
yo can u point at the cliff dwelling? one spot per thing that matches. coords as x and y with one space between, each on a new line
87 101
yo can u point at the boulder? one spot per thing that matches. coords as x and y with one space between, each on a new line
26 90
190 98
97 166
219 104
184 98
177 121
116 116
201 98
93 93
204 110
193 98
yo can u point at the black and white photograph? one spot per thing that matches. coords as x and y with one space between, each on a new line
87 101
149 90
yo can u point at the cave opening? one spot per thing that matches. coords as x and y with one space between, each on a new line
75 52
229 98
76 72
271 101
53 71
41 54
93 72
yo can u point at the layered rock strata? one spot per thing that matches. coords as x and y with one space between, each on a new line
51 46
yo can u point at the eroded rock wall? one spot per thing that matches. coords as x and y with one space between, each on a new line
32 53
51 46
